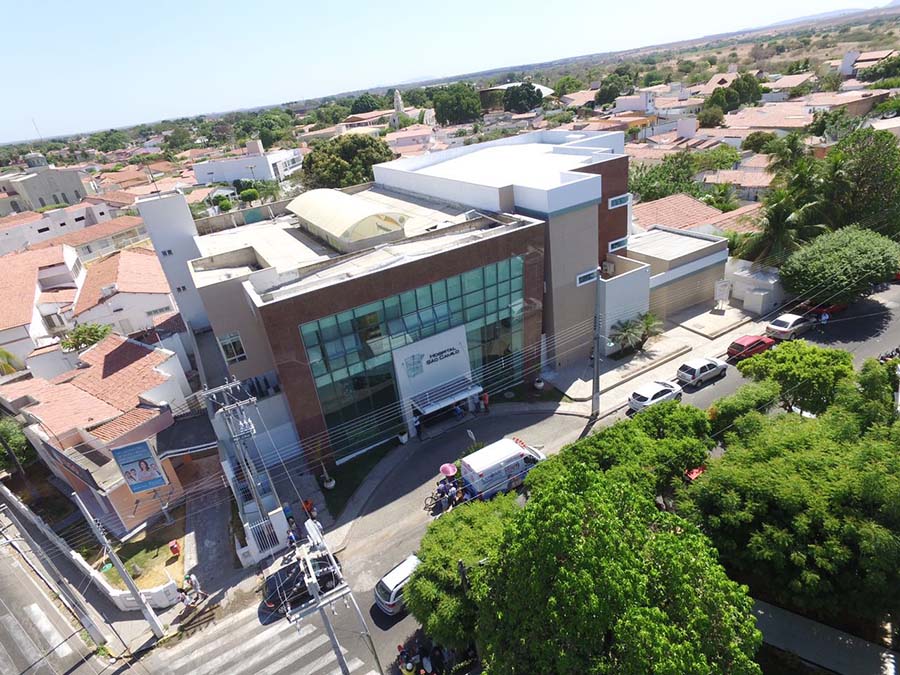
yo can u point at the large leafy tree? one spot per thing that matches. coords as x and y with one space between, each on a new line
873 169
567 84
757 140
839 266
785 152
807 513
456 104
107 141
85 335
522 98
673 175
612 87
591 578
436 595
343 161
15 440
807 375
364 103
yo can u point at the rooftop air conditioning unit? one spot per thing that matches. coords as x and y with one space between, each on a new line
608 268
108 290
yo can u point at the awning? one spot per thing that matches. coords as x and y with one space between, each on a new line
445 395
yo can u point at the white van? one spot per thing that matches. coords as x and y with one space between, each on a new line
389 589
498 467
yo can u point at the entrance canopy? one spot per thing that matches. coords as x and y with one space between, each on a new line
445 395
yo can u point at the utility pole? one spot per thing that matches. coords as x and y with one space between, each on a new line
145 607
60 585
316 548
595 389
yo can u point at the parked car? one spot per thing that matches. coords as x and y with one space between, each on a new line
652 393
789 326
389 589
286 588
749 345
498 467
812 309
697 371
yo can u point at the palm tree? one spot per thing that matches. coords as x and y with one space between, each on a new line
782 231
784 152
8 362
721 197
835 189
629 334
803 181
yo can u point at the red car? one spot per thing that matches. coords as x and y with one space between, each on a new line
748 345
819 310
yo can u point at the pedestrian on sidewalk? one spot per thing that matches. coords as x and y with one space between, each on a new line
186 600
194 584
310 508
417 426
485 402
451 496
824 320
292 540
458 411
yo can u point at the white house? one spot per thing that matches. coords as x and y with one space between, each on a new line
256 164
19 231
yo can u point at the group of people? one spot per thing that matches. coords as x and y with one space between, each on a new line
481 403
191 594
424 658
309 508
449 494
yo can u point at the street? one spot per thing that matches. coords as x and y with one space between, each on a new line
35 637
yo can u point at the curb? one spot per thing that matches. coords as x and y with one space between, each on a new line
640 371
719 333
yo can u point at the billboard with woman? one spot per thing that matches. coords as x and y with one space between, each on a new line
139 466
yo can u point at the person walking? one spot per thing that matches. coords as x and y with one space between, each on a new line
485 402
310 508
292 540
417 426
186 600
194 584
451 496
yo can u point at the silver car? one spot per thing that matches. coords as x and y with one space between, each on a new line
653 392
697 371
788 326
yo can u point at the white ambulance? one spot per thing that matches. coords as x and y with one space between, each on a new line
498 467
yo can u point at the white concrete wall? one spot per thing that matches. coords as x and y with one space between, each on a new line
174 390
127 312
171 227
53 363
17 342
623 297
276 437
231 169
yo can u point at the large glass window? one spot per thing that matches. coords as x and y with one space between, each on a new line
350 352
232 348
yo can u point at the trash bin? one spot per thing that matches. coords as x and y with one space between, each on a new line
175 547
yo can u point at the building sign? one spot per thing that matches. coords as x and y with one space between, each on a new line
723 290
139 466
428 364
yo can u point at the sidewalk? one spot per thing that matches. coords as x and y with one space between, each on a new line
823 645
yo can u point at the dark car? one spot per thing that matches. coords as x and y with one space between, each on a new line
748 345
286 588
818 310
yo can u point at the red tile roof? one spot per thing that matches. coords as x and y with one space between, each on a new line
113 198
123 424
744 219
679 211
747 179
44 350
93 232
131 271
18 279
16 219
67 407
58 295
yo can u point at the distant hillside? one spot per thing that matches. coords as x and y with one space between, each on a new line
836 14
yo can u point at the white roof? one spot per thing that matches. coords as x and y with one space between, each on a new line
650 388
545 91
491 454
401 572
699 363
790 318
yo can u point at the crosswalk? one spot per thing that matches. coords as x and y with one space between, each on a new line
241 645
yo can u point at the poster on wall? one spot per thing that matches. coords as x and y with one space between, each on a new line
430 364
139 466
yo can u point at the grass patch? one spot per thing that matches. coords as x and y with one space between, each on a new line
525 393
47 502
149 550
349 476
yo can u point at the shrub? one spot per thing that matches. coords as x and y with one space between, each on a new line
755 396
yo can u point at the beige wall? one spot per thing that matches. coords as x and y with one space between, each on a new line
571 250
228 309
687 291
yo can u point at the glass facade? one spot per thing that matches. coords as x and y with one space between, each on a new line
350 353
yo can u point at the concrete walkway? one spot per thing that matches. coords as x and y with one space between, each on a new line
823 645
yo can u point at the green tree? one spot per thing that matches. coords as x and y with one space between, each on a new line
522 98
673 175
882 70
591 577
722 197
753 397
870 396
224 205
270 137
634 333
364 103
343 161
839 266
807 375
8 362
179 139
873 168
15 440
457 104
612 87
785 152
435 594
567 84
269 190
833 124
720 157
781 233
756 141
107 141
807 515
249 195
85 335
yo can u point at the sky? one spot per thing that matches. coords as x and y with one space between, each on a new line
82 66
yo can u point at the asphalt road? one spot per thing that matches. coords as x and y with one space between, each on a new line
35 638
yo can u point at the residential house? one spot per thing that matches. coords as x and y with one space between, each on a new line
39 185
256 164
892 124
669 107
718 80
749 184
126 290
118 201
856 102
414 139
684 212
121 392
780 89
780 118
855 61
105 237
579 99
19 231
